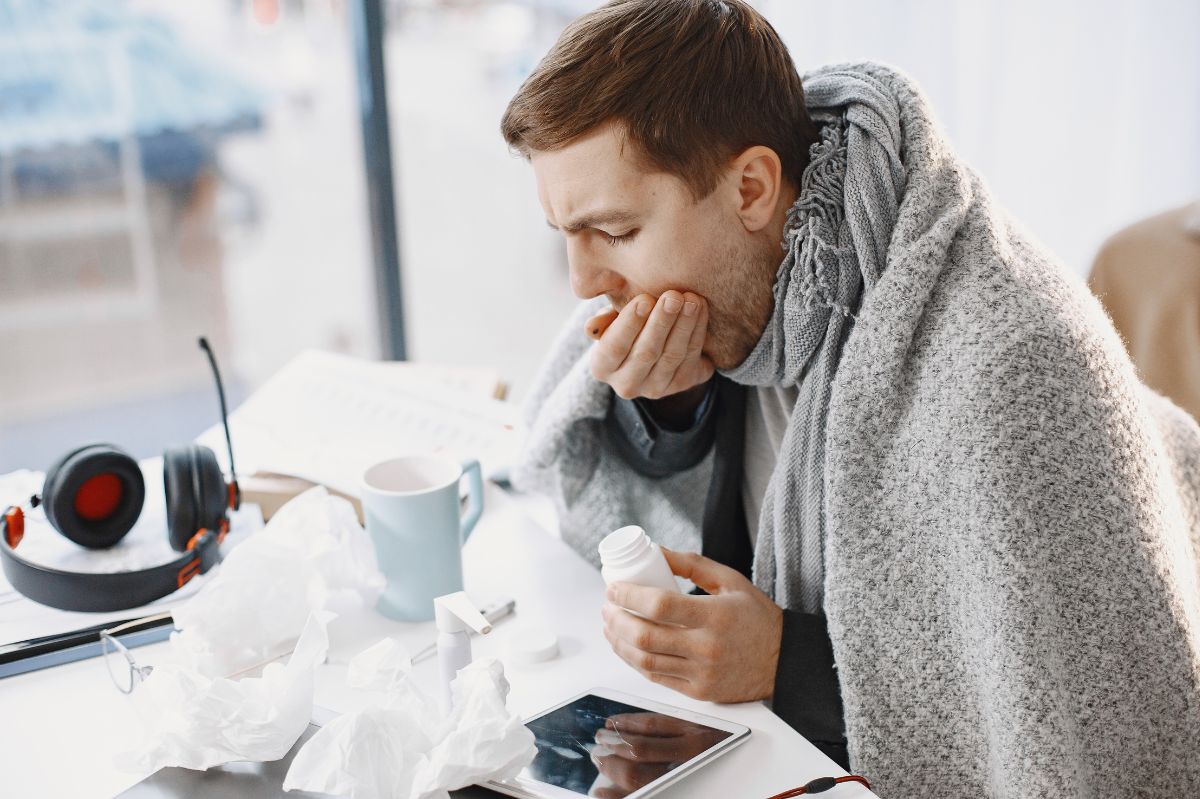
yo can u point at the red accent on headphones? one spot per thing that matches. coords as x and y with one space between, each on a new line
222 531
14 526
190 570
97 499
195 538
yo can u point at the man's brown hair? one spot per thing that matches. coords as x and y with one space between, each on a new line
695 83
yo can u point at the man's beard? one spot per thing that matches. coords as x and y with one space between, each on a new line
740 300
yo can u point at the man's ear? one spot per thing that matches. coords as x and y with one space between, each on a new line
757 175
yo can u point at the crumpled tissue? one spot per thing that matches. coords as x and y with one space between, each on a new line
381 667
405 748
197 722
312 552
272 594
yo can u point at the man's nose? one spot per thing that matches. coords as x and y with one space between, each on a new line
590 278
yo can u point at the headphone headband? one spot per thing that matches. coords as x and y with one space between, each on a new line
102 591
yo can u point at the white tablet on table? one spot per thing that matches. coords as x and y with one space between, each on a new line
605 743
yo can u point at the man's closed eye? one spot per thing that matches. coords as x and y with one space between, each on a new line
622 239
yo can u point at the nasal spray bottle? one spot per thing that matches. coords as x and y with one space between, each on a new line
456 616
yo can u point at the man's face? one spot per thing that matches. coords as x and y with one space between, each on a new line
630 231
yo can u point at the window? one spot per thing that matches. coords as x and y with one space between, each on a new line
170 170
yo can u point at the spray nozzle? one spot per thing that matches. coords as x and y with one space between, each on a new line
456 613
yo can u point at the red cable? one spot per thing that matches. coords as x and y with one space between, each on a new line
820 785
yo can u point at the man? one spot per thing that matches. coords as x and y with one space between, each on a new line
944 530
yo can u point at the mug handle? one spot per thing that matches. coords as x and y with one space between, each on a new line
474 497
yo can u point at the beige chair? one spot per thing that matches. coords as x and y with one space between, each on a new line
1148 278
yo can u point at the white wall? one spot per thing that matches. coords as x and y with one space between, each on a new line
1082 115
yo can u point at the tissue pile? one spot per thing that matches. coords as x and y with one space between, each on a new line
268 591
405 747
198 722
273 593
311 551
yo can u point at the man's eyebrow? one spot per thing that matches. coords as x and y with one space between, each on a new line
596 219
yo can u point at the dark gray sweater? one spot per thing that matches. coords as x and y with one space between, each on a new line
806 686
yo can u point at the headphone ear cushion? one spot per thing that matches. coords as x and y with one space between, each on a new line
53 479
93 495
214 497
195 491
179 491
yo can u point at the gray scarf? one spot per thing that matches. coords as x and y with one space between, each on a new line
836 241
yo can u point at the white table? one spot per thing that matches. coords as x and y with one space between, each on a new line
60 728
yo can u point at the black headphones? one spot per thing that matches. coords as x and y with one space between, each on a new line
94 494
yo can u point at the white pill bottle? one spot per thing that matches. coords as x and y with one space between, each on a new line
629 556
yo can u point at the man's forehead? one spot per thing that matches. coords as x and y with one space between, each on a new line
594 176
604 149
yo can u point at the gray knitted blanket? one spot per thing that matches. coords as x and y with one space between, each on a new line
1010 555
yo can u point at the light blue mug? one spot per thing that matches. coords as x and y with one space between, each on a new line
413 514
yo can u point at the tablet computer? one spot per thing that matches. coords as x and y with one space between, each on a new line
608 744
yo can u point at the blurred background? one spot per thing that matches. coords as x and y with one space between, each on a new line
175 169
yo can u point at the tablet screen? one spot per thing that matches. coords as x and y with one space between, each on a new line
601 747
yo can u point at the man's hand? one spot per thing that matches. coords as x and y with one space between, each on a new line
721 648
652 348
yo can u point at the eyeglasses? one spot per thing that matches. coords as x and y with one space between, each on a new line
122 668
126 673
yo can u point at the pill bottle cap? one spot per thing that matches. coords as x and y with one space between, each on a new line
532 646
623 546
